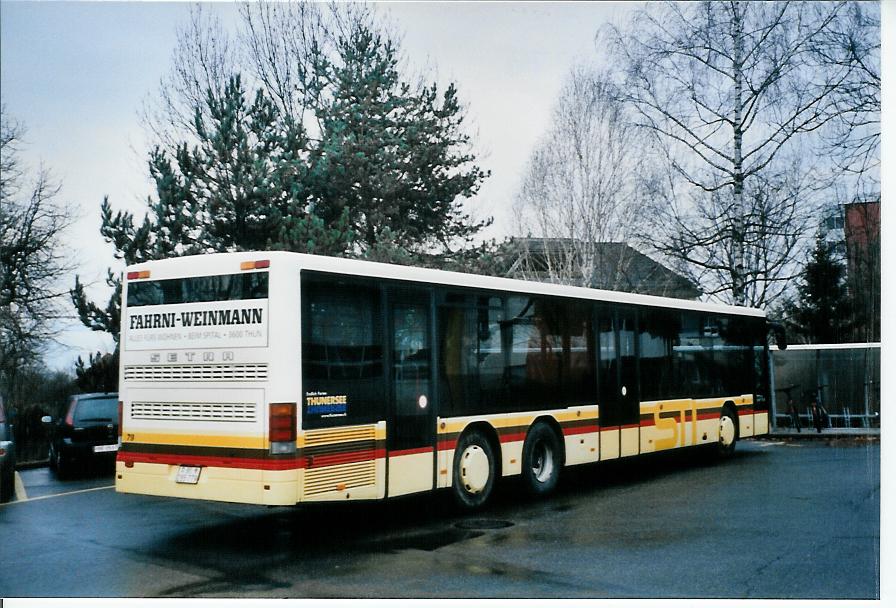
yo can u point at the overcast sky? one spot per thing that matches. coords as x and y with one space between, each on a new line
76 74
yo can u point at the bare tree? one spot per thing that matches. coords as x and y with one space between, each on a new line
772 220
203 57
578 191
276 49
32 258
729 88
852 43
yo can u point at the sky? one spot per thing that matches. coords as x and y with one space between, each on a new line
76 75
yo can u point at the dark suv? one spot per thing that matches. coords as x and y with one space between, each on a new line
7 457
88 433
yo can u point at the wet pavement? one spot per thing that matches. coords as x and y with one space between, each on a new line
42 482
678 526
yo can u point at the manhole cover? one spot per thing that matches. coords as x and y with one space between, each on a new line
483 524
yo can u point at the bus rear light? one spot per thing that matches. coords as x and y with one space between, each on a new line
120 417
282 423
255 265
138 274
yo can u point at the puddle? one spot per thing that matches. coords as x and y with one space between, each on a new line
483 524
429 541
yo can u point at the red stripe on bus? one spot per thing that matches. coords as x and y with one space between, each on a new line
512 437
280 464
446 444
409 451
578 430
213 461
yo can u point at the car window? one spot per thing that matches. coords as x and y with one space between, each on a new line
105 408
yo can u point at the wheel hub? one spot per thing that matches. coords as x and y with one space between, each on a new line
542 462
474 469
726 431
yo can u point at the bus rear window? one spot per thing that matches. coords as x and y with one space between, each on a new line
216 288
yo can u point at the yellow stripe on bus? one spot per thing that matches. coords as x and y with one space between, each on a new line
501 421
224 441
648 407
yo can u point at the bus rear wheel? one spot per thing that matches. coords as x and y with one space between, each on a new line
474 470
728 431
542 460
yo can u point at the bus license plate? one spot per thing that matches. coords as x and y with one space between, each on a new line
105 448
188 474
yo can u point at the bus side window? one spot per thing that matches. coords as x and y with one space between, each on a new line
471 354
657 336
733 360
342 354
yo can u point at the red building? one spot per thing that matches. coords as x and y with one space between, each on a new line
862 234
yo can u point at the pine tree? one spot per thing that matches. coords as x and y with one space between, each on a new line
382 178
822 311
391 154
242 186
100 376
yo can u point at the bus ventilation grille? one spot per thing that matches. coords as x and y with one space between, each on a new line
335 445
214 412
208 372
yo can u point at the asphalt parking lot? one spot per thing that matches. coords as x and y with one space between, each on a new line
782 519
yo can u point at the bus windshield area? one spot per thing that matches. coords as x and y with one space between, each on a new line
216 288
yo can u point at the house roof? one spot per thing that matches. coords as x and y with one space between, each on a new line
615 265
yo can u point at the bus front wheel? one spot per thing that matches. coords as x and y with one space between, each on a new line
474 470
542 460
728 431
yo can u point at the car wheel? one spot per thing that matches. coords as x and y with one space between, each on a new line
7 484
474 470
542 460
729 430
62 468
51 457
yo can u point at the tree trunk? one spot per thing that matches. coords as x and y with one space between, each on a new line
738 286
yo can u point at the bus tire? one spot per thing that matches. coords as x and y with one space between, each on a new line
474 470
542 460
729 431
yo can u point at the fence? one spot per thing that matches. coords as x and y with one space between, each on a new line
843 378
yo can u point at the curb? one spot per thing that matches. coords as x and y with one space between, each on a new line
826 436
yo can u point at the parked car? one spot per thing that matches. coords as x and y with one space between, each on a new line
7 457
87 435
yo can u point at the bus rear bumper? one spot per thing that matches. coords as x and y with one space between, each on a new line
249 486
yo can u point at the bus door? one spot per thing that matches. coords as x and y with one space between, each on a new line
618 382
410 426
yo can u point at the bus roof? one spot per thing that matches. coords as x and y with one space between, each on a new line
214 263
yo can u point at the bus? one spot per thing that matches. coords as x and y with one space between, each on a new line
279 378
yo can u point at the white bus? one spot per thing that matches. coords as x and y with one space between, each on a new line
280 378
